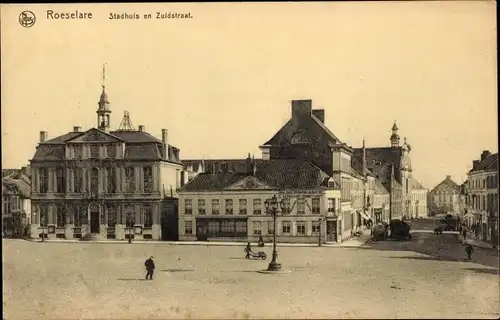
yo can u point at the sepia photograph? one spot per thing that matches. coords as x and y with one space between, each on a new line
250 160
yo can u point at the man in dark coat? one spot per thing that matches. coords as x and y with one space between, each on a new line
469 250
248 250
150 267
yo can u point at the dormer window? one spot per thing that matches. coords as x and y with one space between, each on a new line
300 138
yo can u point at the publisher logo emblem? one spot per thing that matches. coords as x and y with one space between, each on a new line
27 19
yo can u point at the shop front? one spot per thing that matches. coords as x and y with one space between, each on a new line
221 228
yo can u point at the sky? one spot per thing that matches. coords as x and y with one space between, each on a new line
222 82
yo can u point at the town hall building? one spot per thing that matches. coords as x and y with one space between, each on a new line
102 183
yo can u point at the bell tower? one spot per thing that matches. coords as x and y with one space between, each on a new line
394 136
103 112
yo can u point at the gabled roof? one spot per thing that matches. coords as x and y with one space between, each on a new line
276 139
488 163
379 188
447 184
333 138
280 174
415 185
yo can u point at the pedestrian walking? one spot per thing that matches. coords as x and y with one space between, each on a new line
150 268
248 250
464 234
469 250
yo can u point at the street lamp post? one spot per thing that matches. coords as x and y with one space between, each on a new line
272 206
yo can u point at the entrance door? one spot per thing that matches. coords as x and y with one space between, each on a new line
94 222
331 231
201 233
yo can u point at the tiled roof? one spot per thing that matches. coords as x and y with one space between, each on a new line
135 136
139 145
415 185
144 152
280 174
333 138
447 183
357 165
489 163
305 124
127 136
237 165
63 138
379 160
23 187
150 151
49 152
379 188
8 172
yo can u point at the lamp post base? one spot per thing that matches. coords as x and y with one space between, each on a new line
274 266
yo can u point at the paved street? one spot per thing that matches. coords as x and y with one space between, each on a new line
380 280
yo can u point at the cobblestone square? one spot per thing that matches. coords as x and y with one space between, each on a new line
64 280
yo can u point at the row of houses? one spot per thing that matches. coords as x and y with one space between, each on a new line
126 183
475 201
328 189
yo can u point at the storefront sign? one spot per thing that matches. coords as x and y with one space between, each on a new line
298 193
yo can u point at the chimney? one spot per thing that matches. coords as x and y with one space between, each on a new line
77 129
164 140
43 136
320 114
474 164
485 154
141 128
301 108
448 177
249 164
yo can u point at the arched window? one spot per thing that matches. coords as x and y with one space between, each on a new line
300 137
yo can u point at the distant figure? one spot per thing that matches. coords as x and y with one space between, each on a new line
261 241
469 250
464 233
248 249
150 268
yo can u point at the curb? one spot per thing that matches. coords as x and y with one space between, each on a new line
200 243
480 246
